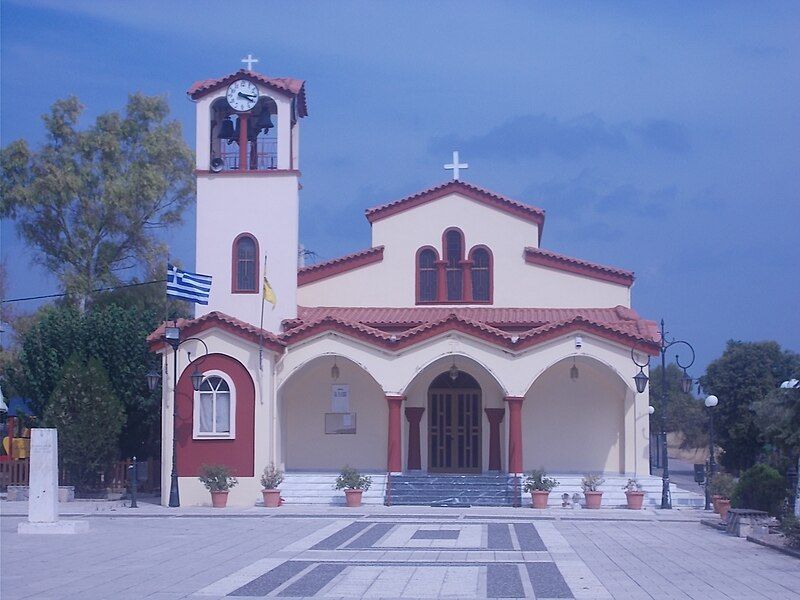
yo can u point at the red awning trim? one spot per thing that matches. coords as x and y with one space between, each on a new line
552 260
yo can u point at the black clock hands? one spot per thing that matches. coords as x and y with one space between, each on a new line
248 96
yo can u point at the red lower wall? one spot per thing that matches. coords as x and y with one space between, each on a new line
236 454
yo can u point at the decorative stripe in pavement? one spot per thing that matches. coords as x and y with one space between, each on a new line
340 537
528 537
313 581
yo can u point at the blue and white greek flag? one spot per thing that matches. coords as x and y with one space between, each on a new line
188 286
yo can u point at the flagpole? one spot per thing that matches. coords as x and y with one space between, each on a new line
261 324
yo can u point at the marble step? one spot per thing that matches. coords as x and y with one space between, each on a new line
317 488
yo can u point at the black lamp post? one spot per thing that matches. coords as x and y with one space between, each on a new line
710 402
686 385
172 336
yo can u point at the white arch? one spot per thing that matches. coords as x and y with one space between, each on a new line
578 355
453 356
298 368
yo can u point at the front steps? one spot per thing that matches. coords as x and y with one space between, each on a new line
486 489
317 488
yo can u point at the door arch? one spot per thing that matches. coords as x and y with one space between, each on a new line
454 424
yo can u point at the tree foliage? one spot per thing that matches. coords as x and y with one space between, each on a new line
745 374
777 416
115 336
89 418
91 200
684 411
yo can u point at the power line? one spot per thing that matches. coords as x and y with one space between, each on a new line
106 289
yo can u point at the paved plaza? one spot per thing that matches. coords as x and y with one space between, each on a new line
380 552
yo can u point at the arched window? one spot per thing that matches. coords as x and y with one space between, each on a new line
245 264
454 251
481 275
215 407
427 287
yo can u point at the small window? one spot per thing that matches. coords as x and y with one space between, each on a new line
245 274
454 251
481 275
214 409
428 288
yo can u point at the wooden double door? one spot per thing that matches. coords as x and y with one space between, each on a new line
454 430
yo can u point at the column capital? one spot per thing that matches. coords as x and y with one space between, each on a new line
414 413
514 400
395 398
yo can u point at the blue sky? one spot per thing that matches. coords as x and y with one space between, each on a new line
662 138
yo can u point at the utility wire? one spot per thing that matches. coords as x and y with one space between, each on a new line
106 289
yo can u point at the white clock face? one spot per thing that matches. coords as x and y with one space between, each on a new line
242 95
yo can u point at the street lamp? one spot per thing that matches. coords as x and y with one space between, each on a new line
710 402
172 336
686 385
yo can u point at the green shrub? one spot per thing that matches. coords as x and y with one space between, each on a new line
539 481
272 477
592 481
790 527
760 488
351 479
723 485
217 478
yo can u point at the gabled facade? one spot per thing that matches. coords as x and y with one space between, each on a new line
455 343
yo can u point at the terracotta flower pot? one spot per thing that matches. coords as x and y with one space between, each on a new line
539 498
635 500
353 498
714 499
724 504
219 499
272 498
593 499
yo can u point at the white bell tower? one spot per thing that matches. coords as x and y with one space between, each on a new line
248 135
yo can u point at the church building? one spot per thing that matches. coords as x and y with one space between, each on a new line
456 344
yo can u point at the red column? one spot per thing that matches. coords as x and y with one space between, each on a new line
495 416
414 416
514 433
394 462
242 142
466 276
441 280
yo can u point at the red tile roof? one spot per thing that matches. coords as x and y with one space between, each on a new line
287 85
338 265
190 327
518 209
553 260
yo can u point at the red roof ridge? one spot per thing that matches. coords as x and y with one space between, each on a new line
209 320
334 266
552 259
288 85
519 209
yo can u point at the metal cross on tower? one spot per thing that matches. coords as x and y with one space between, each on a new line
455 166
249 61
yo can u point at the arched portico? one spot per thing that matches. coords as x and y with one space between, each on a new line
331 413
577 417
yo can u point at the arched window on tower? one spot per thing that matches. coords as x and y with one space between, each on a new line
245 264
427 287
481 274
454 252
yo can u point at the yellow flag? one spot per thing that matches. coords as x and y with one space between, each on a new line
269 293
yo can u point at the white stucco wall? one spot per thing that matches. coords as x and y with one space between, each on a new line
306 398
391 282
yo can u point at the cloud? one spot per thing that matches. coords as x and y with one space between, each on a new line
532 136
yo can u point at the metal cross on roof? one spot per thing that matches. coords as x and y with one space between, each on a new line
455 166
249 61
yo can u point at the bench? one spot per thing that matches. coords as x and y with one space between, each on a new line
743 522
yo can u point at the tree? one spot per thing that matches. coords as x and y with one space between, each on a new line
91 200
115 336
684 411
89 418
745 374
777 417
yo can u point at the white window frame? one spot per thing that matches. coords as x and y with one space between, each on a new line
203 435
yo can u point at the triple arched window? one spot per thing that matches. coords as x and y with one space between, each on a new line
245 265
454 278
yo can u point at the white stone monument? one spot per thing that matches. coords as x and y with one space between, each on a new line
43 495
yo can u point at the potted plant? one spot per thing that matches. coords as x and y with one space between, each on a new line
353 484
271 478
590 483
218 480
539 485
722 488
634 494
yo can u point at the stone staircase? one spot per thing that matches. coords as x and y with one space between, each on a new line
317 488
487 489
